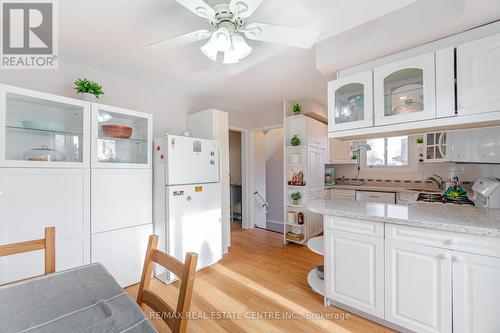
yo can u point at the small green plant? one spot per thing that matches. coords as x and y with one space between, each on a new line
419 140
296 196
296 108
295 141
354 157
90 87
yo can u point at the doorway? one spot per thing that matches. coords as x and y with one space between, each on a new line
235 176
268 179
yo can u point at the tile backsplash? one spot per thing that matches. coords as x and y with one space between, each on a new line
447 170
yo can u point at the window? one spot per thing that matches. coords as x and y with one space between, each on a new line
387 152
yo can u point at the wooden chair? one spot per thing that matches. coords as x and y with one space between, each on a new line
48 243
176 320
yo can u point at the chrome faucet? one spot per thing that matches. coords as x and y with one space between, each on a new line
438 180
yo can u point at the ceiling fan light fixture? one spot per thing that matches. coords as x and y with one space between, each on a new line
221 39
238 51
209 50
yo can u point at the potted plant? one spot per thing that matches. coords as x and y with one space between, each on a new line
420 148
296 108
295 141
296 196
354 157
90 90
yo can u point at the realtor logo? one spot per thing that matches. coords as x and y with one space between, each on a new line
29 34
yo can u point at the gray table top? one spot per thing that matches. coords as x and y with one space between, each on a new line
85 299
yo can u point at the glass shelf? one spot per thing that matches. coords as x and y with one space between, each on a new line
124 140
39 129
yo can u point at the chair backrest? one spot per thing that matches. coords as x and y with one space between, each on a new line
47 243
176 320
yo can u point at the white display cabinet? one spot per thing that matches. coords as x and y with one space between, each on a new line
405 91
43 130
121 138
350 102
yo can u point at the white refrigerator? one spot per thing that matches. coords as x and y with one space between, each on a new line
187 200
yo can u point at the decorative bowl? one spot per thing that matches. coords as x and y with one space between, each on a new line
117 131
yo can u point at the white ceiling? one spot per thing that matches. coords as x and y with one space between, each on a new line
110 35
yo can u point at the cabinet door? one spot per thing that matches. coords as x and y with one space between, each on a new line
121 138
354 271
316 159
317 133
405 91
33 199
122 252
478 76
476 292
121 198
340 152
350 102
418 287
434 147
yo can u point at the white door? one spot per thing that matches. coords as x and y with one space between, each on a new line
259 211
191 161
418 286
350 102
354 271
316 159
122 252
121 198
478 75
194 222
405 91
476 291
33 199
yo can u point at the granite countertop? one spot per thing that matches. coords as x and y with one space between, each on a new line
464 219
402 187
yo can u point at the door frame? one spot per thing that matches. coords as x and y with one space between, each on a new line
247 171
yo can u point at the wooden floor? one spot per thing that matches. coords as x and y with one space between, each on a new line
261 278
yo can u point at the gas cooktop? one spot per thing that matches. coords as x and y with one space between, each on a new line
439 198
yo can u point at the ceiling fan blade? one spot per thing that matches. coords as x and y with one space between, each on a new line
281 35
181 40
199 7
244 8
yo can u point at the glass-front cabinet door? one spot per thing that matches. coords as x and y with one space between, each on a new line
350 102
405 91
121 138
43 130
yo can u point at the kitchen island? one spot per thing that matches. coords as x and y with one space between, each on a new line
422 267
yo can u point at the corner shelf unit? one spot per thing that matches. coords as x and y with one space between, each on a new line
307 159
315 282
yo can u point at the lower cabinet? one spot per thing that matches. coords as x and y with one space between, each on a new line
122 252
418 287
476 291
354 271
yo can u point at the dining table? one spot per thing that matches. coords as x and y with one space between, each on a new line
84 299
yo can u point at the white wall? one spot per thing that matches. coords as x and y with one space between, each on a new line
235 157
274 175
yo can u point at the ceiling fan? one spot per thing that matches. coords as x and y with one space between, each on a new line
229 27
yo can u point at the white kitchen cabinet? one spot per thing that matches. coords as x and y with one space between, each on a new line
434 147
405 91
476 292
341 152
34 198
478 76
373 196
317 134
350 102
418 287
354 271
122 252
316 159
117 149
121 198
336 193
43 130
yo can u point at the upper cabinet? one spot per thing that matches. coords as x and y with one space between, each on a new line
120 138
405 90
350 102
478 76
42 130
